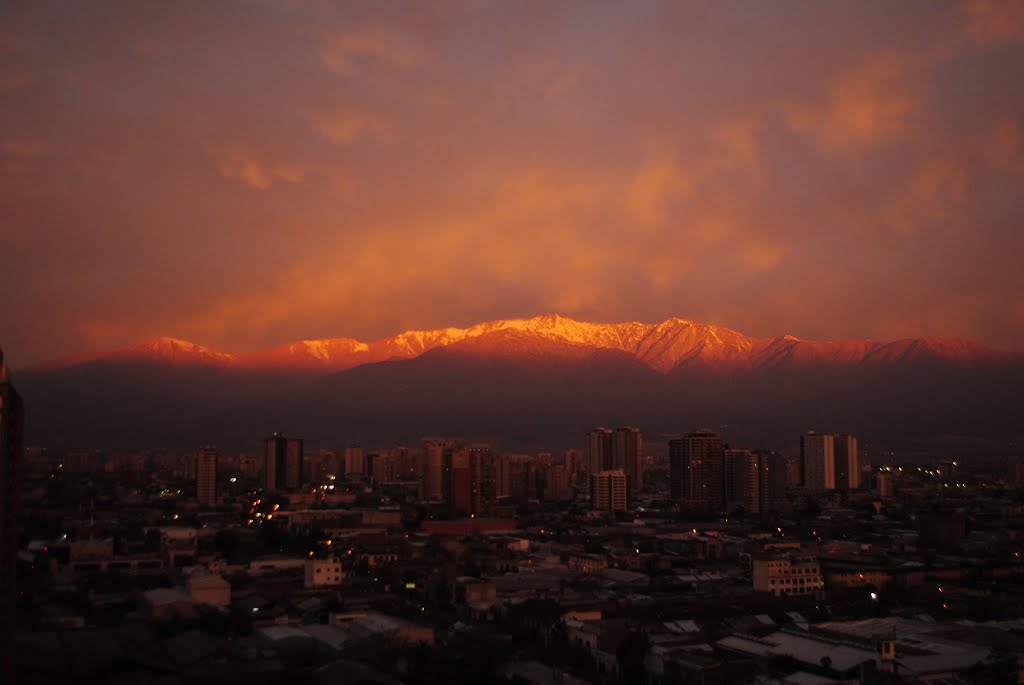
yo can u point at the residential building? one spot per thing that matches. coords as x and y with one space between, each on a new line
598 450
787 574
697 471
609 491
847 462
817 461
206 476
324 572
283 469
627 454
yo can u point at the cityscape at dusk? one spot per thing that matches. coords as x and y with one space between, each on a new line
532 343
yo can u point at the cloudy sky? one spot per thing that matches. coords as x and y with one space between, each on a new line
242 174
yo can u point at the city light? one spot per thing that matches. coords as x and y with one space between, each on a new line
590 272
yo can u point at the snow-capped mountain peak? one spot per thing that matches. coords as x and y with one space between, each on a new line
670 344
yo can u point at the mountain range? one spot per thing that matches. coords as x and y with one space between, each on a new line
537 382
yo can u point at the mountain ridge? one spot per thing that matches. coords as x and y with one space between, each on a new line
539 381
663 346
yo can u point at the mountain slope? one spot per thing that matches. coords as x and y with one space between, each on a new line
538 381
663 346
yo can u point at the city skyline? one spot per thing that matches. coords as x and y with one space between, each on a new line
466 342
247 176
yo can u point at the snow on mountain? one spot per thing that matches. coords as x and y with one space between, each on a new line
663 346
334 353
177 351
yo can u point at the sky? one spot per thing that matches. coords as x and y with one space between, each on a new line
244 174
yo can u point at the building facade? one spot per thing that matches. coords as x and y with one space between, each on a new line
206 476
12 421
786 575
818 461
697 471
628 455
284 463
847 462
609 491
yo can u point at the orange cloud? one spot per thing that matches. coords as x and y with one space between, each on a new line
345 128
348 53
254 173
929 196
448 163
863 107
995 21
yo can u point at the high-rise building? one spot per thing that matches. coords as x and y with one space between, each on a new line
206 476
773 469
627 454
355 462
574 466
385 467
818 461
517 477
251 466
847 462
609 491
742 481
12 420
293 463
456 486
483 480
284 457
697 471
556 484
598 450
433 467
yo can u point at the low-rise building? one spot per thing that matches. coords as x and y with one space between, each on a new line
787 574
324 572
209 588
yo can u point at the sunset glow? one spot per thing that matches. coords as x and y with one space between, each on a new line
244 175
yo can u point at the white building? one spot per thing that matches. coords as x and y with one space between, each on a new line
787 575
321 572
